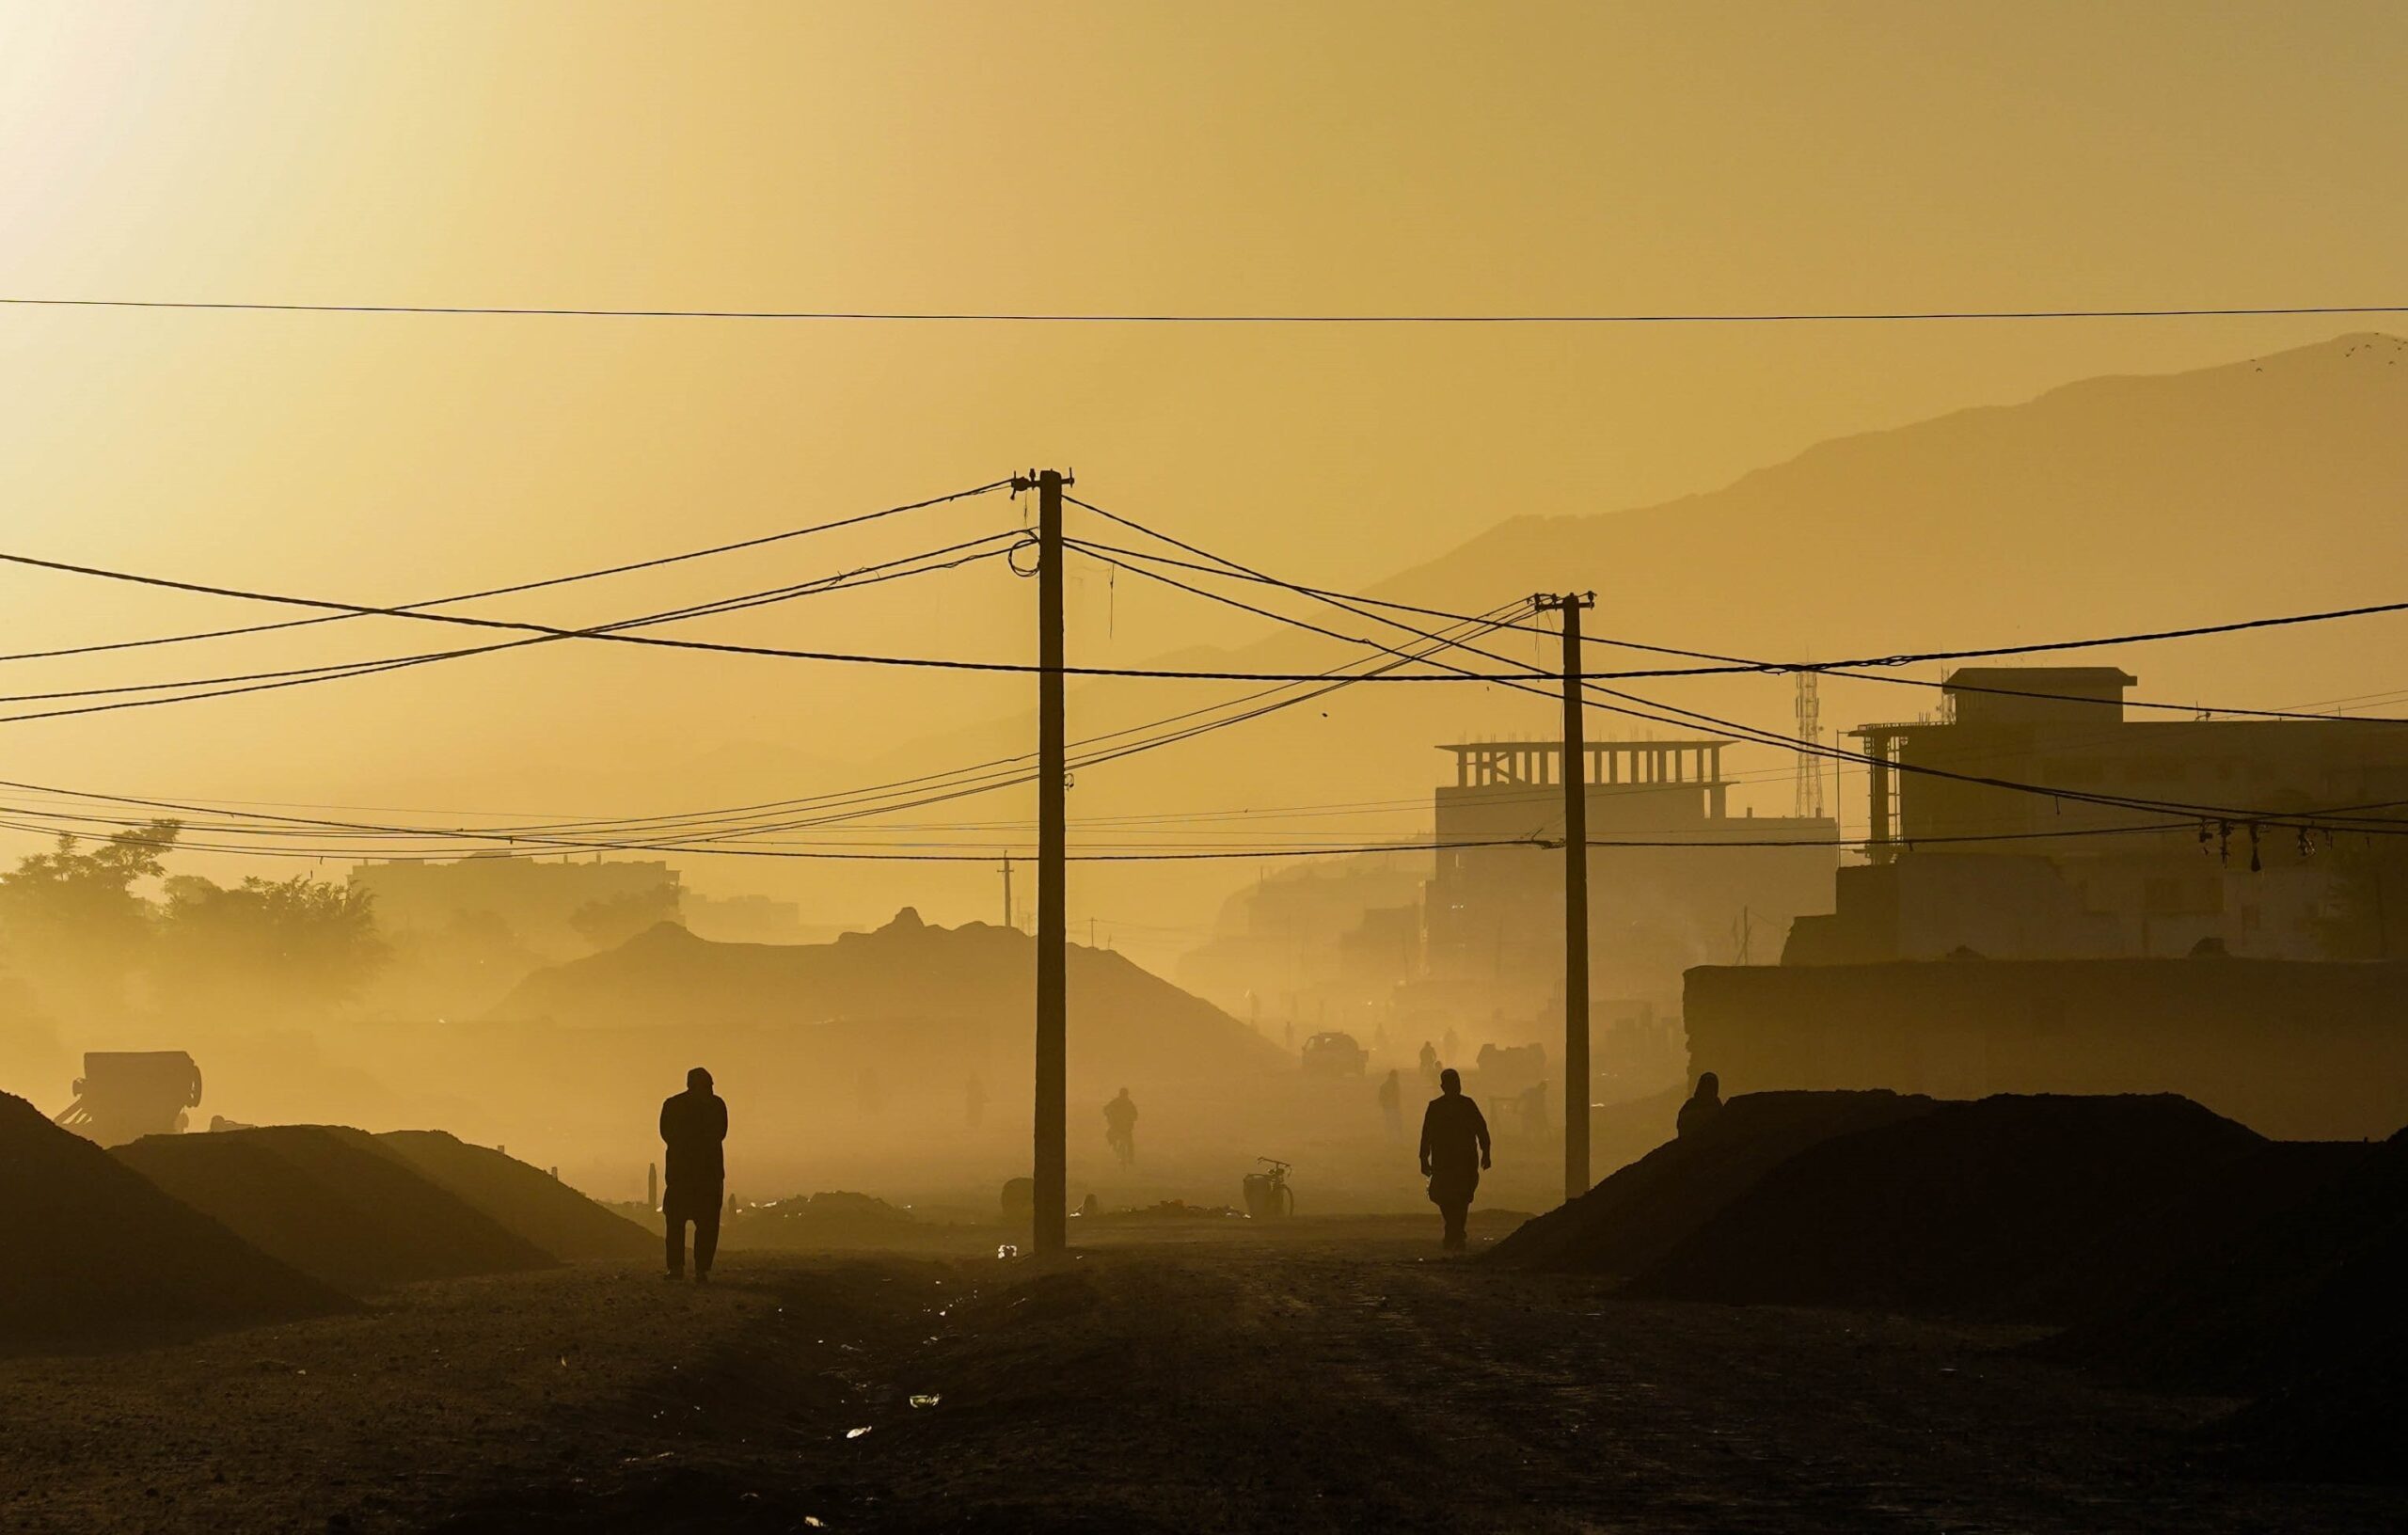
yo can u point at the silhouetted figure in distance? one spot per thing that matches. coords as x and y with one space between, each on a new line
1392 1105
1532 1106
1120 1127
1454 1152
1703 1110
1428 1063
693 1126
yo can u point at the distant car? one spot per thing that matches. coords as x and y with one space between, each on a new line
1333 1055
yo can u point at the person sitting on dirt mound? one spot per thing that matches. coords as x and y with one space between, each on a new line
1454 1152
693 1125
1705 1108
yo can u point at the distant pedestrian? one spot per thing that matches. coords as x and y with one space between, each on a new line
1532 1106
1454 1152
1120 1127
1450 1046
1703 1110
1392 1105
693 1126
1429 1065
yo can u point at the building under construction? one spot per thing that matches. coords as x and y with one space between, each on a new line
1674 880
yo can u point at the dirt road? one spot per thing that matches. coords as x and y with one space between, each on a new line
1342 1377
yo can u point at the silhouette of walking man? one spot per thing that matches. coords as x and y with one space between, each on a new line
1120 1127
1454 1152
693 1125
1392 1105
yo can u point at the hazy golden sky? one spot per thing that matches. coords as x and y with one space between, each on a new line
1117 155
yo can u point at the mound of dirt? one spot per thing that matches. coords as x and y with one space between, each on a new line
523 1199
1636 1217
2303 1312
332 1203
99 1255
2037 1208
2338 1424
909 999
2312 1287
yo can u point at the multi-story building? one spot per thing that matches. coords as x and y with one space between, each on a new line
1961 862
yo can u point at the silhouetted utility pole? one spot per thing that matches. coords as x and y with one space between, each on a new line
1052 1232
1007 892
1576 897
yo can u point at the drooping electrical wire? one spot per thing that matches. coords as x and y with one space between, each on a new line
654 562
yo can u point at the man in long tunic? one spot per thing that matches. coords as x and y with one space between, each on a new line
1454 1152
693 1125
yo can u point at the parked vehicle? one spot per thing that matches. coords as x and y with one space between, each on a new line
1333 1055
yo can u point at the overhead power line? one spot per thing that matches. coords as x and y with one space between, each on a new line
1145 317
1668 714
926 563
959 664
717 647
680 832
654 564
1732 665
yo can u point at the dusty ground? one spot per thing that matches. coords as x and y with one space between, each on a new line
1341 1376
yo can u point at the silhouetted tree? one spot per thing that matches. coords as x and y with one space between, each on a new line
267 944
73 927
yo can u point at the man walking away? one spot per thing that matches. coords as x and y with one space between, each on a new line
1454 1152
693 1125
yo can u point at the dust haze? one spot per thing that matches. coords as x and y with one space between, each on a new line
1417 768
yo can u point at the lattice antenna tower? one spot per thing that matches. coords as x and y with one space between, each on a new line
1810 735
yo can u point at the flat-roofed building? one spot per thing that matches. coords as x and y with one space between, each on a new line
1960 861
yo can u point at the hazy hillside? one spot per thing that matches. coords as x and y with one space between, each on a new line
2111 503
912 1002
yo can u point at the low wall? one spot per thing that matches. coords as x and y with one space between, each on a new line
2297 1051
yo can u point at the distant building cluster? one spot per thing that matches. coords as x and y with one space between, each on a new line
1396 951
552 906
566 907
2030 821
